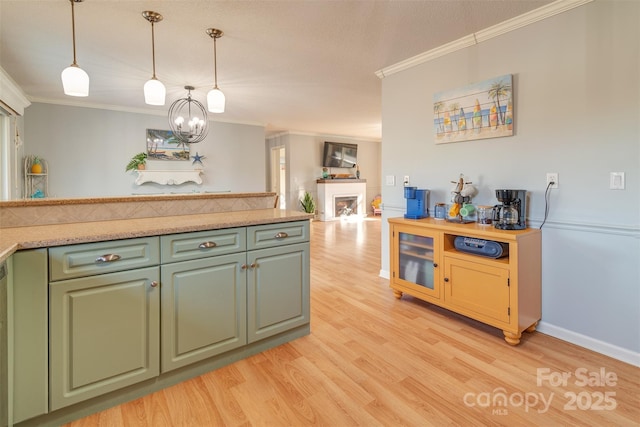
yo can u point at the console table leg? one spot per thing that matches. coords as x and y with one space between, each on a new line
511 338
532 327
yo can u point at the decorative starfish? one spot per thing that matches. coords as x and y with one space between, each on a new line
197 158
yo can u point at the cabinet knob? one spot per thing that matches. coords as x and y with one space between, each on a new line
154 284
281 235
108 258
207 245
435 265
446 279
254 265
243 266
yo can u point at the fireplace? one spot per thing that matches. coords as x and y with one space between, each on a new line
345 205
341 198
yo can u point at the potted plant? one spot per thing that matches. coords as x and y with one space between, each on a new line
308 204
137 162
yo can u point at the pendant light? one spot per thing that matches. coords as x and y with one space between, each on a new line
154 90
215 97
188 119
75 81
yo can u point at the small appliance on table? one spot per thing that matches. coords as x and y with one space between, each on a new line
511 214
416 203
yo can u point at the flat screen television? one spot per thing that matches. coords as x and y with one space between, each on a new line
339 155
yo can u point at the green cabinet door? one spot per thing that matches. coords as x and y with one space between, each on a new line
203 309
277 290
104 334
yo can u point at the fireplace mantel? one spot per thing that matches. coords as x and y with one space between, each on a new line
330 189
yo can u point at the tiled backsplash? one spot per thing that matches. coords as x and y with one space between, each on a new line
63 211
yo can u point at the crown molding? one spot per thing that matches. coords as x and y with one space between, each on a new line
11 95
528 18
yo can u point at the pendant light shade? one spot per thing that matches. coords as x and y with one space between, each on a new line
215 101
75 81
215 97
154 90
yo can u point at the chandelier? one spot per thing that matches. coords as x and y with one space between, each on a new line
188 119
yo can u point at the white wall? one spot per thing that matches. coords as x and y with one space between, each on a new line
304 164
577 113
87 150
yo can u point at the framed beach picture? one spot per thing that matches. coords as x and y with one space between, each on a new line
163 145
477 111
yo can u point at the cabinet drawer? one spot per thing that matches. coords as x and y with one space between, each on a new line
202 244
286 233
88 259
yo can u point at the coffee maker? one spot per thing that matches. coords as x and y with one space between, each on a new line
511 214
416 202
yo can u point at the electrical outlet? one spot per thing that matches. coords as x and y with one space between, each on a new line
552 177
616 181
406 180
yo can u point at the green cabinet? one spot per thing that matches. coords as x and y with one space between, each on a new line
94 318
278 290
104 329
104 334
203 295
28 330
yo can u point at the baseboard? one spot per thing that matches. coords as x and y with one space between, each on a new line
619 353
384 274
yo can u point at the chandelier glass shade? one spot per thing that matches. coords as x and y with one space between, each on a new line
75 81
188 119
154 90
215 97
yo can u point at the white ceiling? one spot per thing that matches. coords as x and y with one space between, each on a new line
299 65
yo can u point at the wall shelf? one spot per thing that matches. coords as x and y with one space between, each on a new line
169 177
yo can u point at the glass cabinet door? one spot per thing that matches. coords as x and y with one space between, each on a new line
416 261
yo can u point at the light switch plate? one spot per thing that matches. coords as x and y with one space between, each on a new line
391 180
616 181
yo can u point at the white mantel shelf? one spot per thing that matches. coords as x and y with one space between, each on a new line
169 177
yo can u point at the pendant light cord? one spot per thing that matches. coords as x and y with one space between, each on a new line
153 50
73 31
215 64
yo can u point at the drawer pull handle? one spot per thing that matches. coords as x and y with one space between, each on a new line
281 235
154 284
207 245
108 258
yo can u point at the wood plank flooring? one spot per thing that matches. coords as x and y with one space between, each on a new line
373 360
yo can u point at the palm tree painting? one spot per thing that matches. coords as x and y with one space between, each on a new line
163 145
479 111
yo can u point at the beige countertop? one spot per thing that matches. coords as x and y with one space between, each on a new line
42 236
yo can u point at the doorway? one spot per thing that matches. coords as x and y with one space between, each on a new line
279 175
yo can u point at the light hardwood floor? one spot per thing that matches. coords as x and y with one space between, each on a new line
373 360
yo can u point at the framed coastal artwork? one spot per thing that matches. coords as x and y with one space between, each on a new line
477 111
163 145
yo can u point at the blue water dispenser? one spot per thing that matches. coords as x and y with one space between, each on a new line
416 203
